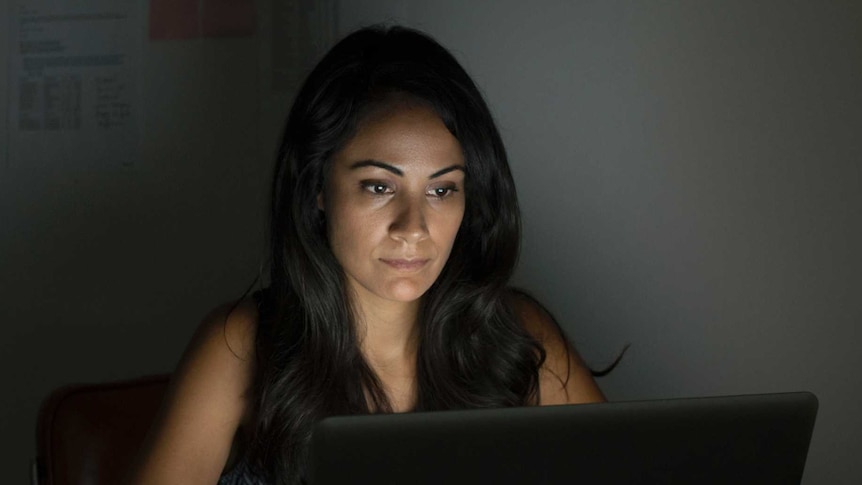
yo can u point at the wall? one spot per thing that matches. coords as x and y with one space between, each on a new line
690 184
104 273
688 176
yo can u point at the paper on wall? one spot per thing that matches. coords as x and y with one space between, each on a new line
73 79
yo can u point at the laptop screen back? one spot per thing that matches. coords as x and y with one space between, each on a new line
759 439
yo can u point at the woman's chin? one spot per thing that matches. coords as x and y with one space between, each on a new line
405 291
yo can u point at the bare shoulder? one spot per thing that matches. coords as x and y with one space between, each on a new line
232 327
563 378
207 401
222 347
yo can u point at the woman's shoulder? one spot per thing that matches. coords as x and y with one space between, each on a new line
564 377
207 401
538 321
231 326
221 355
534 317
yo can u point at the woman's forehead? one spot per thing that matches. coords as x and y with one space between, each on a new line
408 134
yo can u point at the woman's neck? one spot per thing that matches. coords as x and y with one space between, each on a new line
388 332
389 339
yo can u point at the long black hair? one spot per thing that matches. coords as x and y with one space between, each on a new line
473 351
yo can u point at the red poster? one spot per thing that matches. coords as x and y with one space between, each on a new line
228 18
174 19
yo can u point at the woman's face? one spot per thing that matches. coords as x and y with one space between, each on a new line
394 200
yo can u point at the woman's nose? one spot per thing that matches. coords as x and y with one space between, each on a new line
409 223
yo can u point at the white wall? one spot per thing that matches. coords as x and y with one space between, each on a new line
690 183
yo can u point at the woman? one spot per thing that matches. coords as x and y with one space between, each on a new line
394 231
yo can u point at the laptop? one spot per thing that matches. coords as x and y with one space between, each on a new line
757 439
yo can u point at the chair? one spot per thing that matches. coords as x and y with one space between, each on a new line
89 434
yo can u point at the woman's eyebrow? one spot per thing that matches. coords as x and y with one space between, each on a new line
378 164
447 170
399 172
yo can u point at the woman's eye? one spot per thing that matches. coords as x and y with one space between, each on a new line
442 192
377 188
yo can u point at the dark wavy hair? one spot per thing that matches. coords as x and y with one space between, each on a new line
473 351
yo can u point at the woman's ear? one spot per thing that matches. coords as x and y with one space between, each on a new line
320 201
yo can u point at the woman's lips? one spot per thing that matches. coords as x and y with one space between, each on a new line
406 264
